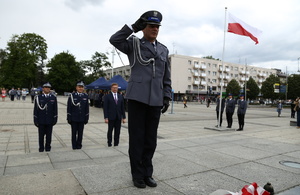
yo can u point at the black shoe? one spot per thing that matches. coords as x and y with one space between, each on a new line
41 150
109 145
149 181
228 127
139 183
239 129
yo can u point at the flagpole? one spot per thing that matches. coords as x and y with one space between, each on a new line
220 104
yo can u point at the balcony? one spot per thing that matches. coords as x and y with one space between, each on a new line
223 84
203 66
196 66
203 75
203 82
196 74
196 82
260 80
242 72
226 70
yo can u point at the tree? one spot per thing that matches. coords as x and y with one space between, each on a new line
64 72
211 58
267 88
24 60
233 87
293 86
252 89
95 66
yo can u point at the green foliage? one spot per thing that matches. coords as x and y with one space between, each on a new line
211 58
293 86
23 60
95 66
233 87
267 88
252 89
64 72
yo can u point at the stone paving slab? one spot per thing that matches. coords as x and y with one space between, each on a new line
259 173
47 183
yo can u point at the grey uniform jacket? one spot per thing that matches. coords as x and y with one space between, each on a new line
147 84
230 106
242 107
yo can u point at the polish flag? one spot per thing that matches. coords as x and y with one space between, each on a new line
239 27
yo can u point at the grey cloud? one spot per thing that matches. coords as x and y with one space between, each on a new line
78 4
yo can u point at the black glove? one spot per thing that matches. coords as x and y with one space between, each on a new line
140 24
166 105
85 122
36 124
69 122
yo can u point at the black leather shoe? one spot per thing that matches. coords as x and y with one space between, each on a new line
149 181
139 183
239 129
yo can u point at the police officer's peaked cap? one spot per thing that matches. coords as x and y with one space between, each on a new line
229 94
80 83
47 85
152 17
242 95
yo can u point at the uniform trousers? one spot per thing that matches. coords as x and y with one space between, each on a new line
113 125
77 133
229 118
143 122
241 118
221 119
45 130
298 118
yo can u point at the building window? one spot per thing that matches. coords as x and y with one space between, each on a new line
215 65
214 73
231 68
208 64
231 75
190 62
236 69
208 72
189 78
236 75
189 86
214 80
195 62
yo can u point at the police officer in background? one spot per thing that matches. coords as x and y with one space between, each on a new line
45 116
241 111
230 107
78 114
148 91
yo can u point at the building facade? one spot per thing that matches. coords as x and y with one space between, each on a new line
195 77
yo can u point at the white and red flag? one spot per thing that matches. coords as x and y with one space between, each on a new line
239 27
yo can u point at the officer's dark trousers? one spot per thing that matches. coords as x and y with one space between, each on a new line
221 119
241 118
229 118
298 118
143 122
77 133
45 130
113 125
12 97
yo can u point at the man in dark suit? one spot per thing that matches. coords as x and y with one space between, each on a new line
218 110
148 91
78 114
241 111
230 107
45 116
114 114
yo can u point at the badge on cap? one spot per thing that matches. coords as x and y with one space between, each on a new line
80 83
47 85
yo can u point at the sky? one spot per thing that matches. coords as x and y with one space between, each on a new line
191 27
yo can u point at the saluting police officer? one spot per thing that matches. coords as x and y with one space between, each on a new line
45 116
230 107
78 114
148 91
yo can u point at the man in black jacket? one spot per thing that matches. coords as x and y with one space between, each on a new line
114 114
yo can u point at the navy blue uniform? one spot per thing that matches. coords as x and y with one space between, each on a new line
230 107
78 116
45 117
241 111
